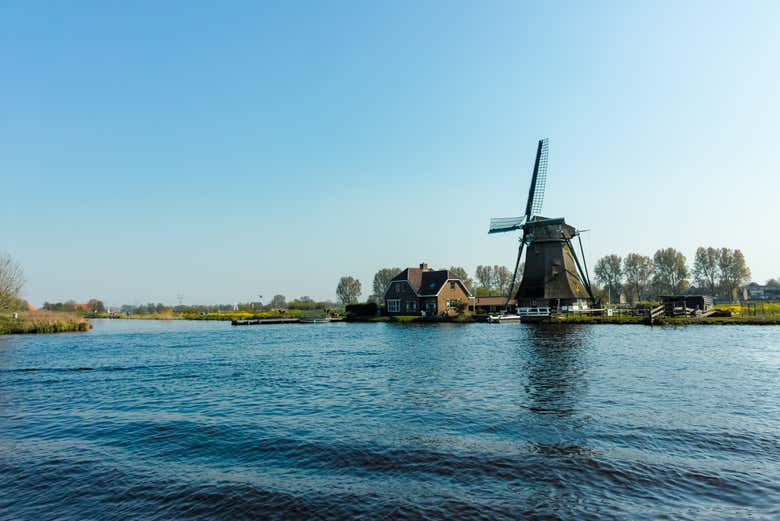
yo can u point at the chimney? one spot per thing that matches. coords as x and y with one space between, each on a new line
423 266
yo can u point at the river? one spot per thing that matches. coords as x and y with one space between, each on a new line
200 420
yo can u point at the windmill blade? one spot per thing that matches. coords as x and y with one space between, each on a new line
533 205
505 224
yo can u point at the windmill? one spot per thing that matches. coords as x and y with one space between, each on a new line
553 276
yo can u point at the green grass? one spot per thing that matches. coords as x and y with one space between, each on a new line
677 321
405 318
575 318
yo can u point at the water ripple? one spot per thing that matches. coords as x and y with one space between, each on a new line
372 421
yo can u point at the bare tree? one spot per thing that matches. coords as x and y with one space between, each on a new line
348 290
669 271
502 278
706 269
485 276
638 270
609 272
733 271
11 282
461 273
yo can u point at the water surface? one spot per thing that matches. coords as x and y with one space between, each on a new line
201 420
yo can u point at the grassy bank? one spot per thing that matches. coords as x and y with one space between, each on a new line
222 315
759 320
42 322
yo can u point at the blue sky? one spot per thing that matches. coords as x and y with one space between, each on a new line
221 150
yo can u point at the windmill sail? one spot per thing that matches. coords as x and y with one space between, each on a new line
505 224
533 205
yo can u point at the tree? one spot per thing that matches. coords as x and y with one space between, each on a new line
11 282
669 271
460 273
502 278
348 290
609 272
485 276
494 280
637 270
382 280
96 306
733 271
278 302
706 269
773 283
303 303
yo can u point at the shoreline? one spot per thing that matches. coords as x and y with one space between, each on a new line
589 320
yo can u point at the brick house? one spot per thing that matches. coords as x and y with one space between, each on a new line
415 291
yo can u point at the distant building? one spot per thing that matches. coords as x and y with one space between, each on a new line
758 292
417 291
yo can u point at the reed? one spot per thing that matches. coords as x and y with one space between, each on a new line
42 322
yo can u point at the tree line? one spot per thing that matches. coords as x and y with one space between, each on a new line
487 280
91 306
718 272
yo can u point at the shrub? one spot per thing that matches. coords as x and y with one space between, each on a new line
369 309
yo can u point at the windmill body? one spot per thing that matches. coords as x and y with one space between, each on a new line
553 276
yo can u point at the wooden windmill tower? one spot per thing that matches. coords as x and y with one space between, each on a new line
553 276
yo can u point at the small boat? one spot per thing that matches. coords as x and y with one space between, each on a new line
522 315
497 319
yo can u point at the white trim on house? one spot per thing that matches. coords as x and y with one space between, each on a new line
462 285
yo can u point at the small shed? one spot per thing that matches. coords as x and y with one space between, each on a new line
680 304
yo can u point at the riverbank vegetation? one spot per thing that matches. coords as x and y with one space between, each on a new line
258 314
717 272
762 313
26 322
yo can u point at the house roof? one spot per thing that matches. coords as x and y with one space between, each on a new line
425 282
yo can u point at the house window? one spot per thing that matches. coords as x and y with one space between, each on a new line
393 305
430 306
452 303
399 287
411 305
452 285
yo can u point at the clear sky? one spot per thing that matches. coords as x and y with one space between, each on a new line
221 150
